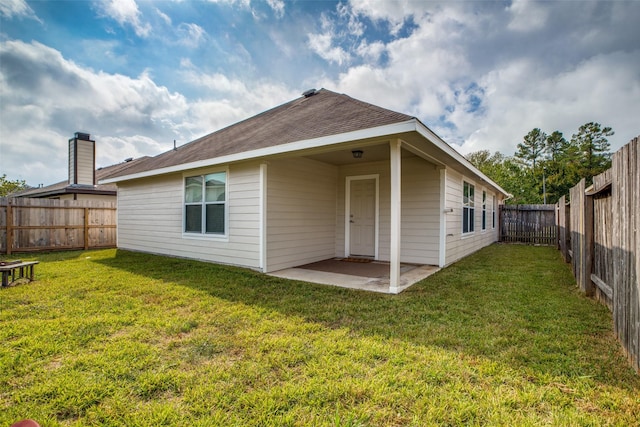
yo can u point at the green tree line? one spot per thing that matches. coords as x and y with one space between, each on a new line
545 166
8 186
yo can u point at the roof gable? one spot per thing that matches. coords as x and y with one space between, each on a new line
316 115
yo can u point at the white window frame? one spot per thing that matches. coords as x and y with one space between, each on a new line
203 234
493 212
470 207
483 219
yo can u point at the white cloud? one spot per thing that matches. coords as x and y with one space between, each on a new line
393 12
479 85
527 15
228 100
17 9
322 45
46 98
191 35
371 52
126 12
277 6
164 17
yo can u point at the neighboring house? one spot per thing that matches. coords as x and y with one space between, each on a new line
83 175
322 176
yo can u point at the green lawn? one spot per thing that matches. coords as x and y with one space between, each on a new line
119 338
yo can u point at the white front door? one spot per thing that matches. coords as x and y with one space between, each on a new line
362 217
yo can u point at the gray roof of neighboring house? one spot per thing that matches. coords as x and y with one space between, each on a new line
64 187
322 114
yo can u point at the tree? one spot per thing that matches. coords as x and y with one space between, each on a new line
556 145
592 148
8 187
507 172
532 148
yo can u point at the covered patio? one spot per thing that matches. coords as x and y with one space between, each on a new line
357 273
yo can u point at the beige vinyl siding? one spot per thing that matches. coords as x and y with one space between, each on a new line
150 218
457 244
301 212
420 209
86 167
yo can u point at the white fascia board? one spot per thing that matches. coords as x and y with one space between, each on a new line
407 126
439 143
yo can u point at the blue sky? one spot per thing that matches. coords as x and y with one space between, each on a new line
139 74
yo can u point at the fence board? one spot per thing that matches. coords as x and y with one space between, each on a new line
44 224
531 224
603 245
564 234
604 223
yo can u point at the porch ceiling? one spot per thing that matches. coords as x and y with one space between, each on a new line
344 156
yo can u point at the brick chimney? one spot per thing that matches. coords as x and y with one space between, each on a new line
82 160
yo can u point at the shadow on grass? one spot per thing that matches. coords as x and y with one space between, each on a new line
515 305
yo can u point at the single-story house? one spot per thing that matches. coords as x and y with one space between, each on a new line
322 176
82 183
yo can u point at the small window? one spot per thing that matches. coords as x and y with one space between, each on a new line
205 204
484 210
468 207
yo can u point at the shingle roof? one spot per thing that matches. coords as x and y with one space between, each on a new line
322 114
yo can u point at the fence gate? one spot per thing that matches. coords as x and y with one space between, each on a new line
531 224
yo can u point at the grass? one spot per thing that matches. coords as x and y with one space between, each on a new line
118 338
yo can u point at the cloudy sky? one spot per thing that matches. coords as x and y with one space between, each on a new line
139 75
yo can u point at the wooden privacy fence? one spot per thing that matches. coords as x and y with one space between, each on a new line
532 224
598 234
45 225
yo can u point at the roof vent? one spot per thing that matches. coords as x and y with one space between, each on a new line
128 159
309 93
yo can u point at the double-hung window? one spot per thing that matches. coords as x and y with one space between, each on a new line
484 210
468 207
205 202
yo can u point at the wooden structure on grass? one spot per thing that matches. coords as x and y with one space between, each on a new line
598 234
530 224
46 225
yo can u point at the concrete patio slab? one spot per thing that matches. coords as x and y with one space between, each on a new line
375 278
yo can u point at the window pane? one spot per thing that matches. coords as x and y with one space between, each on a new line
193 219
472 214
465 220
215 218
193 189
484 220
215 187
471 195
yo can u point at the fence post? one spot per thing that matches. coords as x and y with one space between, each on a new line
9 227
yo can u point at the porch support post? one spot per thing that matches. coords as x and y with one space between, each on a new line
396 229
442 256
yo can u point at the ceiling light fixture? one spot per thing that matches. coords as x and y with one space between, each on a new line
357 154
